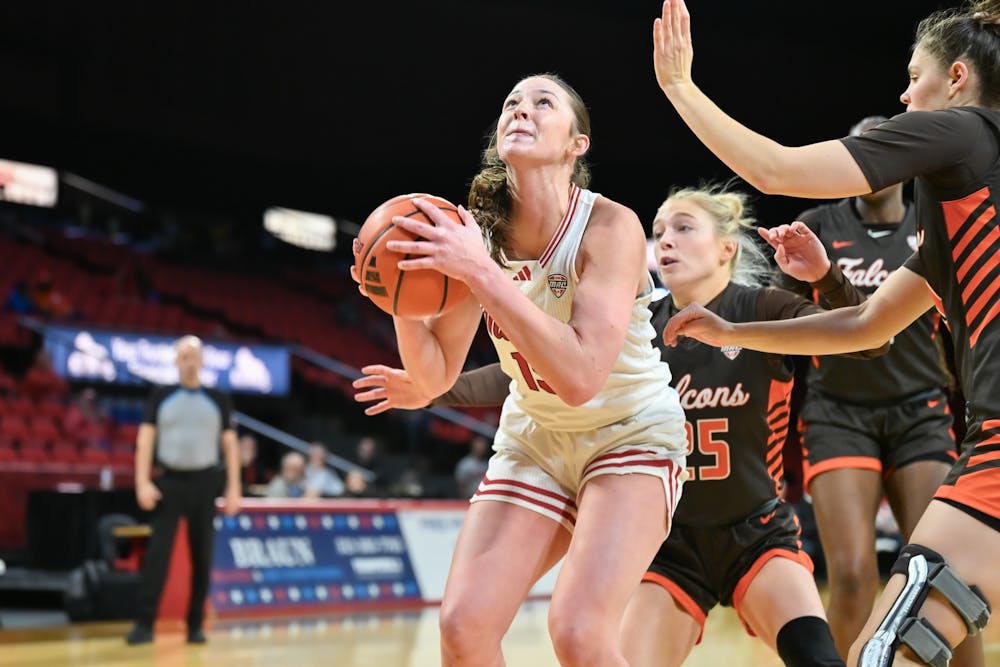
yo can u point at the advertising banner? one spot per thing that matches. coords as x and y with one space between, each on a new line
131 358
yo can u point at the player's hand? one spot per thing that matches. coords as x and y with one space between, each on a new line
455 250
231 500
672 49
696 321
147 495
392 387
798 251
356 249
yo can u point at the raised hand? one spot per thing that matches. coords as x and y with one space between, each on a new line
392 387
696 321
453 249
672 49
798 251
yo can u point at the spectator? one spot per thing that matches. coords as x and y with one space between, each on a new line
470 468
251 474
291 481
41 382
49 300
356 486
86 420
320 480
19 299
368 455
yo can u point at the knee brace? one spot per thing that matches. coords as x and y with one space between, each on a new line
925 570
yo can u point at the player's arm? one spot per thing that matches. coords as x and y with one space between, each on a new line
575 357
779 304
393 388
900 300
821 170
146 493
433 351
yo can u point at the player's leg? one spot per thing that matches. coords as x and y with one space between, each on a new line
910 490
502 550
920 462
659 630
666 614
845 501
517 528
621 523
782 607
969 547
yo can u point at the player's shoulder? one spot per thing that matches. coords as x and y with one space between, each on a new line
607 211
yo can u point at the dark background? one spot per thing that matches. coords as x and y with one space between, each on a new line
333 107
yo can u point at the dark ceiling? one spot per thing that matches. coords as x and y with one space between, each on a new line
336 106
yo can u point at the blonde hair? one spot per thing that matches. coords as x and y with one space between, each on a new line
730 211
489 198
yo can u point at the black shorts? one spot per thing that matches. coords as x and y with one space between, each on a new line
704 566
973 484
883 438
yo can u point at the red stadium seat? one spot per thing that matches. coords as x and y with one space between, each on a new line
95 455
65 452
13 427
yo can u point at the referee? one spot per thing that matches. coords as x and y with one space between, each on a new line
186 422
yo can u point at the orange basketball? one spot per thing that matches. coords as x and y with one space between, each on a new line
410 294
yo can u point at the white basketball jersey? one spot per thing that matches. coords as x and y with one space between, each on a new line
638 376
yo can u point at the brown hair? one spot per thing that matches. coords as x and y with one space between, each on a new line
971 34
489 197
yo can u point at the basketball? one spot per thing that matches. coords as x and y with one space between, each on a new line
409 294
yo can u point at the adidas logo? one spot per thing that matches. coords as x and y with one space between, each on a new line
523 274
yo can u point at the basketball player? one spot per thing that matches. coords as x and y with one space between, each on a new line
590 447
949 140
733 542
877 426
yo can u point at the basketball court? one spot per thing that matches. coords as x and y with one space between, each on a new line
400 639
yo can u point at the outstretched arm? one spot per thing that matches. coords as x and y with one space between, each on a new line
821 170
900 300
393 388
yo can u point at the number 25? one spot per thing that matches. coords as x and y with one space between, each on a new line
708 445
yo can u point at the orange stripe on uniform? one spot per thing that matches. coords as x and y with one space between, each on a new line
991 237
958 211
838 462
990 314
978 490
976 459
683 600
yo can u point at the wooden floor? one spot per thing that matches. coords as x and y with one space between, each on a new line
384 640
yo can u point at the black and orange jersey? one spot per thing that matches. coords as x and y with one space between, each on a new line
954 155
736 403
867 255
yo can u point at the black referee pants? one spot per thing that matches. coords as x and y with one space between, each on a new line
188 494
